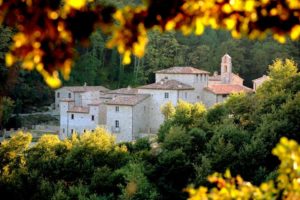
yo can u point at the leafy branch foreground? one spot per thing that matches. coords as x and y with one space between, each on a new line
286 185
47 31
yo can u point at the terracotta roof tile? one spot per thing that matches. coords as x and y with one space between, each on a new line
182 70
78 109
227 88
127 90
84 88
218 77
167 85
128 100
95 103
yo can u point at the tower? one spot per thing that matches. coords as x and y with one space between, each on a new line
226 69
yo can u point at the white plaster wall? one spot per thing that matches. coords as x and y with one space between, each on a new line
186 95
209 99
258 83
83 121
102 114
63 94
141 118
157 99
63 120
125 118
212 99
77 97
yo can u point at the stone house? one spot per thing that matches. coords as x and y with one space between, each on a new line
127 116
68 92
131 113
257 82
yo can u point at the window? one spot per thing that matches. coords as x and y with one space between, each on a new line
224 95
185 95
57 105
117 125
63 130
117 108
72 131
144 108
93 117
72 116
84 130
69 95
166 95
58 95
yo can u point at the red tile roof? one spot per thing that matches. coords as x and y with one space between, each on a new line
128 100
182 70
95 102
78 109
84 88
167 85
227 88
127 90
218 77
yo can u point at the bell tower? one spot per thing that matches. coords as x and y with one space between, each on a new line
226 69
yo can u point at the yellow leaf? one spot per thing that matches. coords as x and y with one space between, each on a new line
199 27
53 81
170 25
295 32
77 4
126 57
9 59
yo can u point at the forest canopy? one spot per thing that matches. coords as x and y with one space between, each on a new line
47 31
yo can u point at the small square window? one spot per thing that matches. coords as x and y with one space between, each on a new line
58 95
117 108
69 95
93 117
72 116
117 124
166 95
224 95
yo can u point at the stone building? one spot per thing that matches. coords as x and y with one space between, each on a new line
69 92
131 113
257 82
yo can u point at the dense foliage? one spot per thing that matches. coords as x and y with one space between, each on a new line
192 144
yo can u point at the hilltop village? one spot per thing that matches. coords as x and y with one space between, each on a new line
131 113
